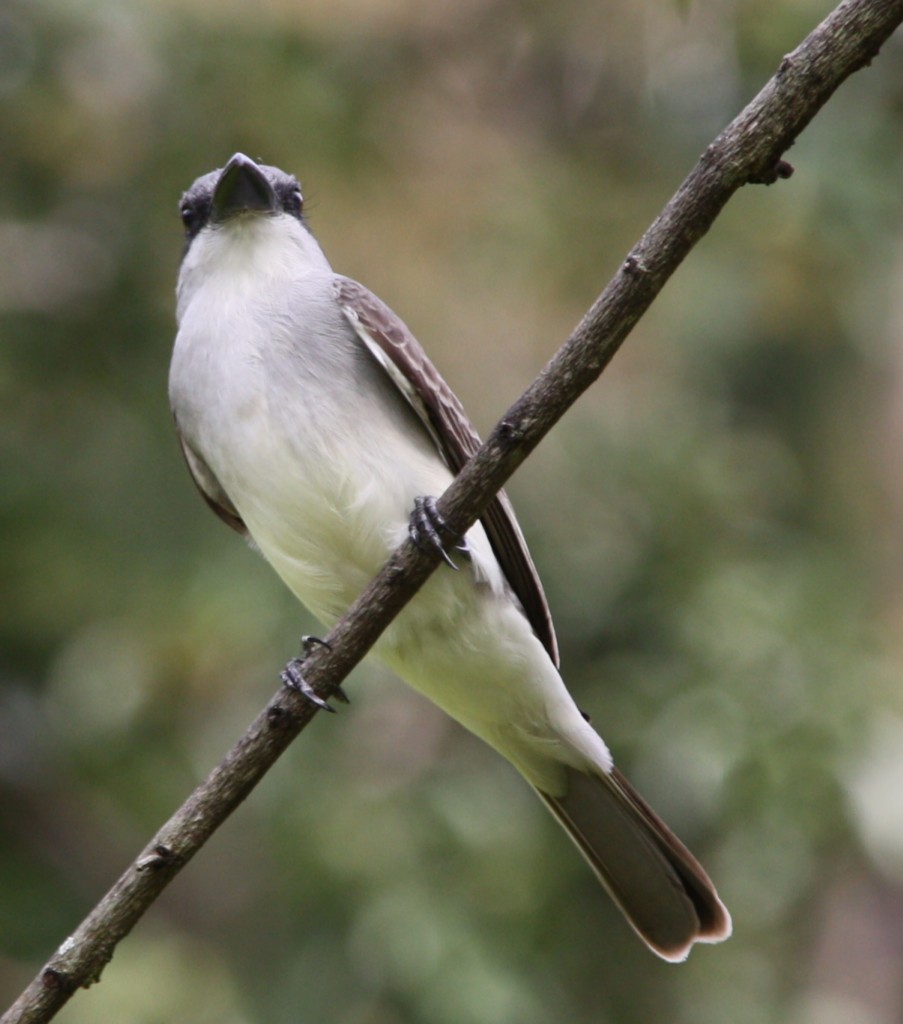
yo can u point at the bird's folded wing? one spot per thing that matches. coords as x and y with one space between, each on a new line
398 352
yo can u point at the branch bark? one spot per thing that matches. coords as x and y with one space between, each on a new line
749 150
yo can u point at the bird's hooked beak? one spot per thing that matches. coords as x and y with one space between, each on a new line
242 188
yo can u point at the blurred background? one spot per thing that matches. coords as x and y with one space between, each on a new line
718 522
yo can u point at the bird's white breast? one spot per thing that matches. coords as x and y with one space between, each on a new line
318 453
322 457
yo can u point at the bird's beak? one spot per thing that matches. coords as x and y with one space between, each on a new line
242 188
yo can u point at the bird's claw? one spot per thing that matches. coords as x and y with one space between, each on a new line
292 676
308 643
426 526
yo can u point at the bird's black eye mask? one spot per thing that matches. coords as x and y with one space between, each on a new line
195 206
195 212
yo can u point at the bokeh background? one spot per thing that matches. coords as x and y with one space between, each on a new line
718 522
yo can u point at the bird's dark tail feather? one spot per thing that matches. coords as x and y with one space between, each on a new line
653 878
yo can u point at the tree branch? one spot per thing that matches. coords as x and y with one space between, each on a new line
749 150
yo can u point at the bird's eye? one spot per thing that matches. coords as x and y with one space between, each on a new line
190 217
294 203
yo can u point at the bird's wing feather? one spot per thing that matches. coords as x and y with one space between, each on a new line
394 347
211 490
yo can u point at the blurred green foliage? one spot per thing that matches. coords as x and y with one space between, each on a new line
717 522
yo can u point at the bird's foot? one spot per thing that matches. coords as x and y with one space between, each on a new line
426 526
292 676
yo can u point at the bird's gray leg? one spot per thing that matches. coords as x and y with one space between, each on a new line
426 526
293 676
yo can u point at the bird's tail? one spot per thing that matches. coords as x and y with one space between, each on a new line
653 878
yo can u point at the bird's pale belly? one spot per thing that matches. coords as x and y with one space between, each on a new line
327 520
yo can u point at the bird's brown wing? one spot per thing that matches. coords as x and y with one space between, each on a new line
395 349
210 488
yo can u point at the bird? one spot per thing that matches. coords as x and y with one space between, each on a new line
315 425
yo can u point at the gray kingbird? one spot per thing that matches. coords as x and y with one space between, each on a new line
312 421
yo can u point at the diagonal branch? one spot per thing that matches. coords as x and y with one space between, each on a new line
749 150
